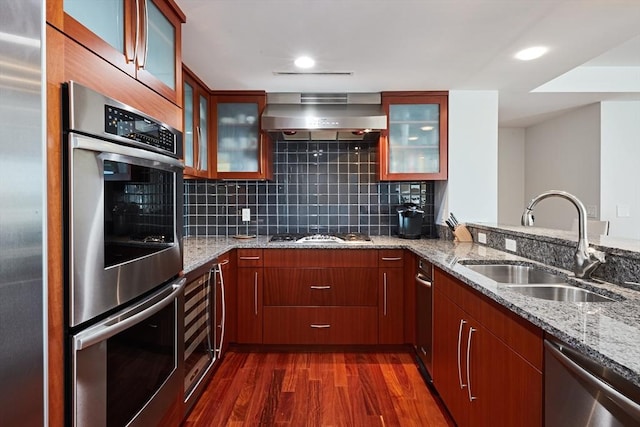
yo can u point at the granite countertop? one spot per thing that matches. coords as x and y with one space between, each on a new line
606 331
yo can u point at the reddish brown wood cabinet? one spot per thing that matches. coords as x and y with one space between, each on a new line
487 362
249 285
241 149
143 38
197 127
391 311
414 145
320 296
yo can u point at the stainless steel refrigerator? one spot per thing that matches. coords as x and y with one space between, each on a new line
22 213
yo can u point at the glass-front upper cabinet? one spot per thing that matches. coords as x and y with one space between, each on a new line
414 146
141 37
196 127
242 150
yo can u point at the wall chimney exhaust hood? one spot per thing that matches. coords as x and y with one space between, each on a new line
324 116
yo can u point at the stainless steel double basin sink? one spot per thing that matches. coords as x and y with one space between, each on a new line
536 282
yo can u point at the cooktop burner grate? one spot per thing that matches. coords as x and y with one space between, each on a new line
320 237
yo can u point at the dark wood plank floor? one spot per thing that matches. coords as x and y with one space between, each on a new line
317 389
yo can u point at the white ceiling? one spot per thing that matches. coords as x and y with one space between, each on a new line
421 45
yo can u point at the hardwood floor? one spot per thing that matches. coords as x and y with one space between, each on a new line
317 389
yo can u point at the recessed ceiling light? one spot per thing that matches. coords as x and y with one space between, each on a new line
426 128
531 53
304 62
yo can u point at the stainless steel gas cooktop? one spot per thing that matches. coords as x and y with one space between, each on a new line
321 238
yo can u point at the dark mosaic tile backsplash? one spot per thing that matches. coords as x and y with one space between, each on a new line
318 186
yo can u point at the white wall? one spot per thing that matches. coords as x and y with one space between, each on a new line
564 154
471 192
511 200
620 168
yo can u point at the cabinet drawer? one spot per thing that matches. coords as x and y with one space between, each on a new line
390 258
320 286
320 258
250 258
320 325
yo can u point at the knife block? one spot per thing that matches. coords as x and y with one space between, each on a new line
462 234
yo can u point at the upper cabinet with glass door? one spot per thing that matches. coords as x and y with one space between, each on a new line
141 37
196 127
414 146
242 150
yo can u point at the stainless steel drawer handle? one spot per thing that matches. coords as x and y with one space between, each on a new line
321 287
471 396
385 293
255 293
462 322
320 326
391 258
249 258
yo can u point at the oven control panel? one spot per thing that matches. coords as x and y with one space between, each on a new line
133 126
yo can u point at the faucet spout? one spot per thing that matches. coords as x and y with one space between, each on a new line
586 259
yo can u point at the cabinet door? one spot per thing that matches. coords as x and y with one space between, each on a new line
391 306
189 141
159 58
106 27
249 323
449 356
242 150
142 38
504 389
196 127
414 146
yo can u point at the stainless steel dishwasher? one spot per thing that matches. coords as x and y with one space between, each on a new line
424 316
581 392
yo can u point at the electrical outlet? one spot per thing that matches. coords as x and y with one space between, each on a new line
510 245
482 238
246 214
592 211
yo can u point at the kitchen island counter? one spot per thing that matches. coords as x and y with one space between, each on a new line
606 331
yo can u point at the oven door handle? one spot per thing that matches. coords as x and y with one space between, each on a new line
123 320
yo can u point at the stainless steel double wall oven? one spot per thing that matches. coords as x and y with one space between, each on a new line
124 295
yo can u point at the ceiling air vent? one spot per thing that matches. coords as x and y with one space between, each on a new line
313 73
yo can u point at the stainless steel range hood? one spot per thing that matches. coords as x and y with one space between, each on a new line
324 116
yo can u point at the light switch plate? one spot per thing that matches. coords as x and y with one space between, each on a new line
246 214
510 245
482 238
623 211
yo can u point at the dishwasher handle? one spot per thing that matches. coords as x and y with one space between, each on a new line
423 280
629 406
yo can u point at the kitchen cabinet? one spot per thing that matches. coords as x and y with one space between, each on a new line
242 150
141 37
249 284
222 288
414 145
487 362
196 139
319 296
391 289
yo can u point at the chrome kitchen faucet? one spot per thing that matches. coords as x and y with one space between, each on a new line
586 259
